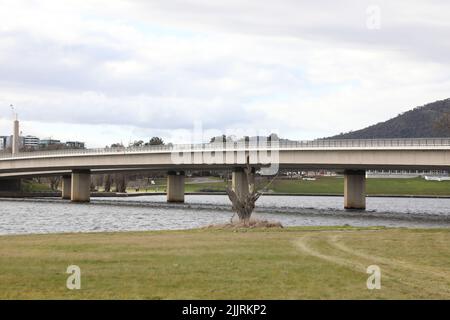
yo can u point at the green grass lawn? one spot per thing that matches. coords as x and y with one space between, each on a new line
335 185
323 185
30 186
215 184
292 263
385 186
206 187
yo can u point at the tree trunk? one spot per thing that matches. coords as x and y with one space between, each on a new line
108 183
244 205
121 183
54 183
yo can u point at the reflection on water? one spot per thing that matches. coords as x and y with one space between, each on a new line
153 213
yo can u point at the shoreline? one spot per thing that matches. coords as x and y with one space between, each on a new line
134 214
30 195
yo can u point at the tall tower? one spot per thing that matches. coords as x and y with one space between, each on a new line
16 137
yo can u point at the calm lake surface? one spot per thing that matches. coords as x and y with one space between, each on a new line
28 216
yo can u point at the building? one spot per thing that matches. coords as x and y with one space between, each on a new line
3 142
31 142
75 145
406 173
9 142
49 142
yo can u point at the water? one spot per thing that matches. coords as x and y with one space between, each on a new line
25 216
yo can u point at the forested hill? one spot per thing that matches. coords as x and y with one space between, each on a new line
421 122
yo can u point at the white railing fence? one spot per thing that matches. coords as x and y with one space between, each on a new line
232 146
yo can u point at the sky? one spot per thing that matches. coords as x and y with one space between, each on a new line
107 71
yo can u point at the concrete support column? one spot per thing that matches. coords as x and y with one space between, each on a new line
66 187
175 186
15 141
81 186
355 189
239 183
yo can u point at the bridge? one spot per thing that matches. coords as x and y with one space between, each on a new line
351 157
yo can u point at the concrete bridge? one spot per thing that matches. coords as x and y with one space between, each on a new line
351 157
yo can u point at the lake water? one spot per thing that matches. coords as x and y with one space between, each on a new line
25 216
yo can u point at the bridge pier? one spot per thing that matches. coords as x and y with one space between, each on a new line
355 189
239 183
81 186
15 147
66 187
175 186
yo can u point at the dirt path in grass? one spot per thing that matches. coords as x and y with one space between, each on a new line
427 279
336 242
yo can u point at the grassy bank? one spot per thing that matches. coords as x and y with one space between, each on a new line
384 186
294 263
335 185
323 185
31 186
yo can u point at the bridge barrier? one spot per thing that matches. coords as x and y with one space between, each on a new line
421 143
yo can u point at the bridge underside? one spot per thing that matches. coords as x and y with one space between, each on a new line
49 172
10 184
77 183
353 163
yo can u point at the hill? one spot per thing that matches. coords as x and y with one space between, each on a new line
421 122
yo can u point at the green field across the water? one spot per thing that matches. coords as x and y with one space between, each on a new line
374 186
322 185
335 185
292 263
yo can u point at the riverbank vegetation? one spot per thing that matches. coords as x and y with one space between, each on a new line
322 185
214 263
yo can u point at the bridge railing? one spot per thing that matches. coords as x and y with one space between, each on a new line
244 145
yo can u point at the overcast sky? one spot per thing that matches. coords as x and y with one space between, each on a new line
104 71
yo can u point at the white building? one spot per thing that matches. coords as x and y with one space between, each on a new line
75 144
31 142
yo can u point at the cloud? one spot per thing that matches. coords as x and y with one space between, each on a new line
144 68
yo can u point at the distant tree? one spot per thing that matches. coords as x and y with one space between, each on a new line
48 147
121 182
442 124
219 139
98 180
138 143
107 182
54 182
117 145
273 137
155 141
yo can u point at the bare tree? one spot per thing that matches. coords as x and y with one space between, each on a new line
54 182
121 182
108 182
98 180
244 204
